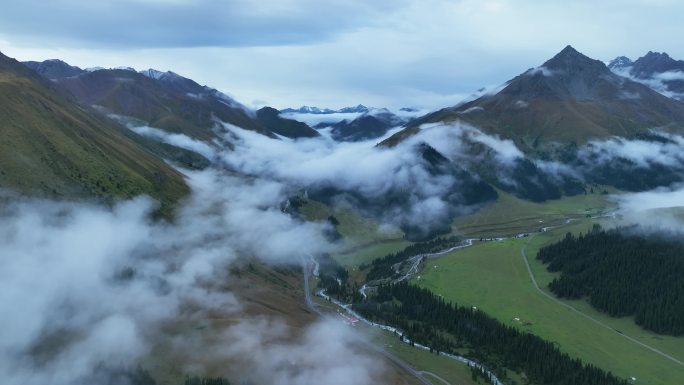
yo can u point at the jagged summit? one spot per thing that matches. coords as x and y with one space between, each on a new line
656 70
569 61
620 62
655 62
161 75
657 56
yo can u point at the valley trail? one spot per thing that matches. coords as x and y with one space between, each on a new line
558 301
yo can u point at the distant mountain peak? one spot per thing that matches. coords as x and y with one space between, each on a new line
53 68
55 61
322 111
359 108
620 62
152 73
571 59
161 75
569 50
655 62
657 55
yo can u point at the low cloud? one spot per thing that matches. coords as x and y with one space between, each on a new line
661 209
541 70
178 140
84 285
642 152
670 75
399 180
270 352
658 83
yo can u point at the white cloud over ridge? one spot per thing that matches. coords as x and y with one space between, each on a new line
642 152
178 140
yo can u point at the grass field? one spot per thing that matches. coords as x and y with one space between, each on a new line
366 253
456 373
510 215
493 277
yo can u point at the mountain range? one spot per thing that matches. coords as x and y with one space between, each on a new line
546 111
570 98
162 100
359 109
655 69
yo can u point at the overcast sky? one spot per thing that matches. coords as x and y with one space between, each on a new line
394 53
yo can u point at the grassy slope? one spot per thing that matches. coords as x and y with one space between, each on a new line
364 239
455 372
367 253
510 215
265 293
52 148
493 277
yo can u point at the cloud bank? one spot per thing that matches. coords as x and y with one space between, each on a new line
85 286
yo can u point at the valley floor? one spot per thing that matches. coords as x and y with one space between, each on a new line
493 277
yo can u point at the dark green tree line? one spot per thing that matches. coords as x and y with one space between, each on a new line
623 273
427 319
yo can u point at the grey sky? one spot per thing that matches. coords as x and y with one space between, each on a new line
425 53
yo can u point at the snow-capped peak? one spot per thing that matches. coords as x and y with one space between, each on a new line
620 62
125 69
152 73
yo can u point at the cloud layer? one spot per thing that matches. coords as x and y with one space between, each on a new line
84 285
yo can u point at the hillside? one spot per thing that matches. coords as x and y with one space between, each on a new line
270 118
571 98
51 147
171 102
